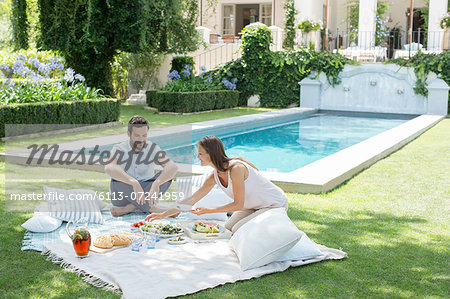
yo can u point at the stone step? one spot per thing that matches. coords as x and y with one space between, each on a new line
137 99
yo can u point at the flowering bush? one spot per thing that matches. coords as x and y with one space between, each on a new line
185 82
445 22
309 25
28 79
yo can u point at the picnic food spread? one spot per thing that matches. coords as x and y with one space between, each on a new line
206 227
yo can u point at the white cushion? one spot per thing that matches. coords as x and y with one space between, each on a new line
42 223
304 249
73 204
264 239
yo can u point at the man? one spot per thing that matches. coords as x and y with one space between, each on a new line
132 166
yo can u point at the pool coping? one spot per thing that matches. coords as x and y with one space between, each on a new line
320 176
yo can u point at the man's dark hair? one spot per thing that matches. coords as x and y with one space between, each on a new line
137 121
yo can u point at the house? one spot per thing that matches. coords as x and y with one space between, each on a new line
229 17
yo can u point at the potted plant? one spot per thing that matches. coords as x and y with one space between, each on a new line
309 28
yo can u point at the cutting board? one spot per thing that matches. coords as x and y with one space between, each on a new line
105 250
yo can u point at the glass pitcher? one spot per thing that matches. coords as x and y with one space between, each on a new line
81 238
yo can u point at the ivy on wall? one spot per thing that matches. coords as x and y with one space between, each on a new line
289 24
274 76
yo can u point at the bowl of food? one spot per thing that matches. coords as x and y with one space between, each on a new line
164 230
135 226
206 227
177 241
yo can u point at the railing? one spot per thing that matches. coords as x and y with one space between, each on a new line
397 43
215 55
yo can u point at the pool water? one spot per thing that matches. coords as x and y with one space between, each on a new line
289 146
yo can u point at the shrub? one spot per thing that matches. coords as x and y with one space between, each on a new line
184 102
91 111
185 82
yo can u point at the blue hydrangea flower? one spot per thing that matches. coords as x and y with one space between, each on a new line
228 84
21 57
203 68
44 68
209 80
17 65
80 78
4 67
35 78
229 74
58 85
188 67
174 75
234 80
186 73
23 71
68 75
34 61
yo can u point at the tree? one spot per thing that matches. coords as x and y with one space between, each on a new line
289 24
90 33
19 24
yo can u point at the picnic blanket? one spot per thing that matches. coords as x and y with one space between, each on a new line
168 270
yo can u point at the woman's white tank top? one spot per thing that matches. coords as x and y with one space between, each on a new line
259 191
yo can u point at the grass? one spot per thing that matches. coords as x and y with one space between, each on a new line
392 220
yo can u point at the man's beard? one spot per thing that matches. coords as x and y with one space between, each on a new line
138 146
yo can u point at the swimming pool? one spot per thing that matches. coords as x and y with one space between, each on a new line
293 144
302 150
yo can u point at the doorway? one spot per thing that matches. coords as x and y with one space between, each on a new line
246 14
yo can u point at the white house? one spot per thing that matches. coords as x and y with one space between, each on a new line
229 17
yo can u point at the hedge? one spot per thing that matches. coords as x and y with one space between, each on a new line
73 112
182 102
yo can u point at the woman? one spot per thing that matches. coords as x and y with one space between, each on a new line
252 193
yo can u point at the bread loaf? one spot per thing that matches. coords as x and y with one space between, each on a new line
120 240
104 241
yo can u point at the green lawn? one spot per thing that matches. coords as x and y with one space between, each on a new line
392 220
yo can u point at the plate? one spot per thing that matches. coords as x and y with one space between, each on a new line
171 242
191 225
179 233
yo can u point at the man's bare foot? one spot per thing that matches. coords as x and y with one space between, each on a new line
119 211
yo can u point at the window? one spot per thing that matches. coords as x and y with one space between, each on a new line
266 14
228 19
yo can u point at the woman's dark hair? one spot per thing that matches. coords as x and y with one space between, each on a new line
216 151
137 121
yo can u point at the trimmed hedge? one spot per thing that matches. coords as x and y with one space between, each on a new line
183 102
73 112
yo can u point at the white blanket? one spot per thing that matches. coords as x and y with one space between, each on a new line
168 270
